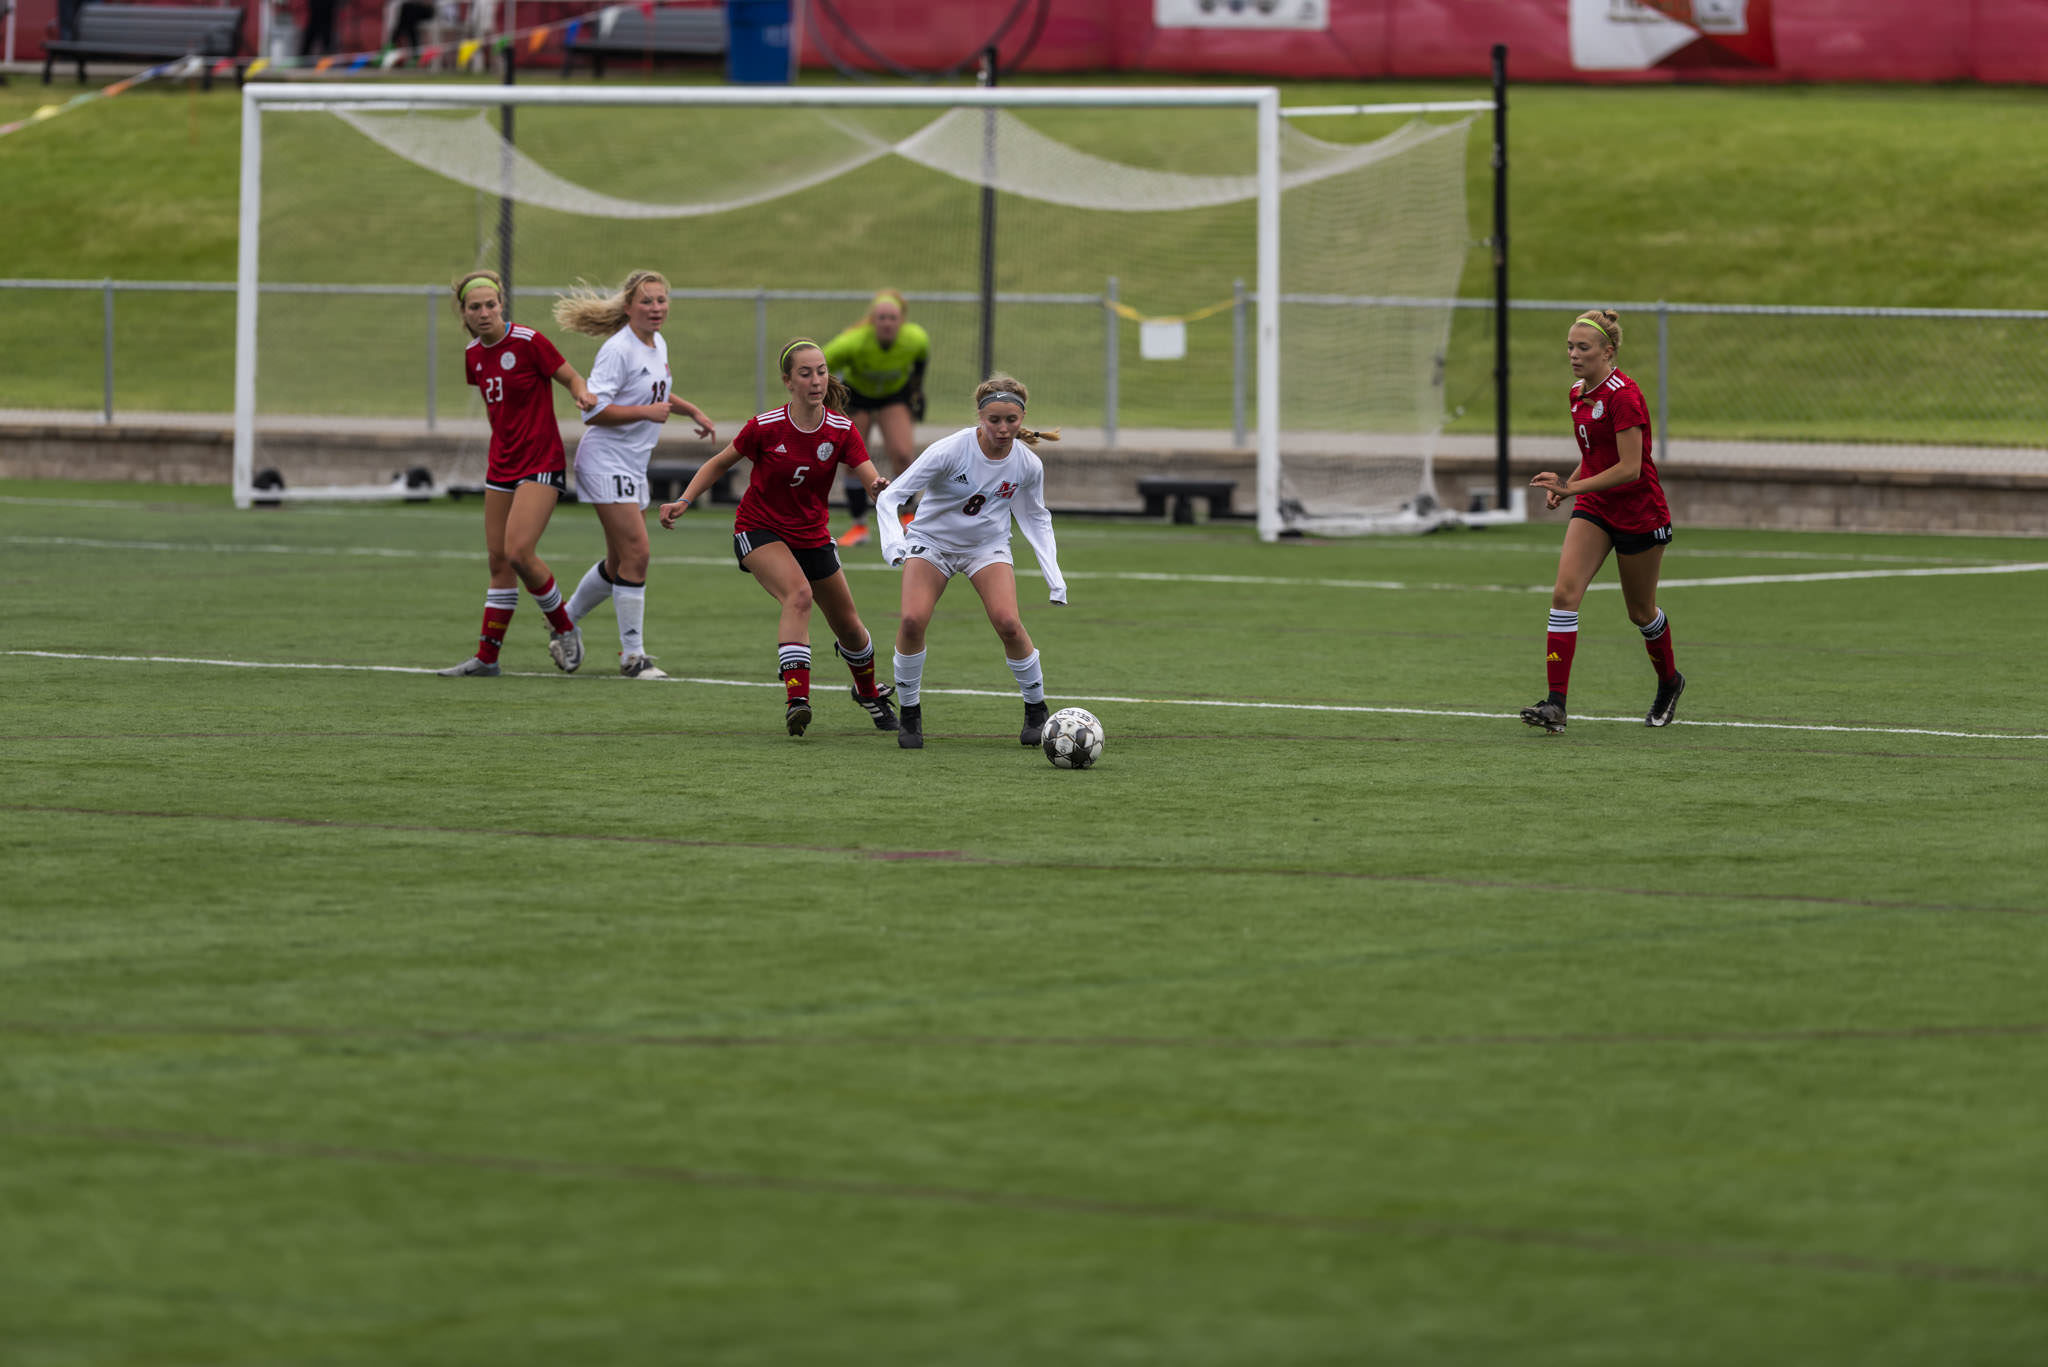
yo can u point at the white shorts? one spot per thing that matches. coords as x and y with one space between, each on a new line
602 477
950 563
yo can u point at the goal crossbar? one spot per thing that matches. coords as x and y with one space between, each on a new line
1262 101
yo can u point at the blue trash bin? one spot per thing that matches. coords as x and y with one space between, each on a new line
760 47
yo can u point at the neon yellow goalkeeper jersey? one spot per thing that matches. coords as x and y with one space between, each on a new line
872 371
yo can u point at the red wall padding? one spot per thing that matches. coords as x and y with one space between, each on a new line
1817 40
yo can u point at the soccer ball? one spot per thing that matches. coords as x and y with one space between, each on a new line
1073 738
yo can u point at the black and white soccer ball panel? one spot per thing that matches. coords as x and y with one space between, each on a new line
1073 738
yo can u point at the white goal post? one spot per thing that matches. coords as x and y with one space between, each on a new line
297 264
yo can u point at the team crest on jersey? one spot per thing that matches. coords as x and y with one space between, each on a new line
1006 490
824 450
506 362
1599 409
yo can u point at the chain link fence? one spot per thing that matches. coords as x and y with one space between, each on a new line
1818 378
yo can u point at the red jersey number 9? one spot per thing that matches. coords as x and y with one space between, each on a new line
1583 439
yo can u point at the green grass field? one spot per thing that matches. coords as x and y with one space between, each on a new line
1762 196
354 1015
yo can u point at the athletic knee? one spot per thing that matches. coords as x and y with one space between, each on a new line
1011 629
1566 599
910 636
800 599
1642 614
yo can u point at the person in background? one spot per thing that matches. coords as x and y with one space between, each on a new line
881 359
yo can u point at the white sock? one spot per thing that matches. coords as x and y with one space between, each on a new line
1564 620
1656 627
909 678
1030 678
630 602
591 590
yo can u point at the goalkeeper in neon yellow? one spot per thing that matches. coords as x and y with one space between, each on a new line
882 359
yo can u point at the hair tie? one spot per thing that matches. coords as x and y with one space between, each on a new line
1000 396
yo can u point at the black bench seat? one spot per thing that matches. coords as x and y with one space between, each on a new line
673 32
1157 489
150 33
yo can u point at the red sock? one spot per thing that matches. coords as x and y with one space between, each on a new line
1561 641
862 667
1659 645
550 600
793 659
497 621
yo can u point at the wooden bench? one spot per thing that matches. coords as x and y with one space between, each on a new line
673 32
1156 489
150 33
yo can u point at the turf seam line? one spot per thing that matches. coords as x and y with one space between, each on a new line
1190 1043
1244 704
1057 1204
968 859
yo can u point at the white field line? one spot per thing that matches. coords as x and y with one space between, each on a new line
1158 577
1141 532
1064 697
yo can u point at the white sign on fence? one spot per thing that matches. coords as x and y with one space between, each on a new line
1635 35
1265 14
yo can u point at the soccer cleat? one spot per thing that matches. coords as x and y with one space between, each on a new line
911 734
640 667
1666 706
878 706
854 535
482 669
565 648
1035 714
797 716
1546 714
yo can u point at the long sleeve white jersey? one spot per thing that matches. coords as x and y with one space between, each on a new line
968 502
626 372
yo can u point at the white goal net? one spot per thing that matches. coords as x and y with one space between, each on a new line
1191 287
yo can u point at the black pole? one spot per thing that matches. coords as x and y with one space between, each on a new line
505 197
988 220
1500 276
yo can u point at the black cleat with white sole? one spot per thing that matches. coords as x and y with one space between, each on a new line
878 707
1666 706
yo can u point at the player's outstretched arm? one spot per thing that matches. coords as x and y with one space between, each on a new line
708 474
578 391
1034 519
694 414
889 504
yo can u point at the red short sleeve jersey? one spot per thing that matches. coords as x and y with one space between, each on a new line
516 377
794 472
1615 405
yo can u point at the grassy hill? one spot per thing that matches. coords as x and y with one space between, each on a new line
1880 197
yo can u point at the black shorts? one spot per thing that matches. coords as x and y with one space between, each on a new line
1630 543
555 479
817 562
860 403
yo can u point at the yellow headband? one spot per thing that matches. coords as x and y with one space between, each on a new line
888 297
797 345
468 285
1591 324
